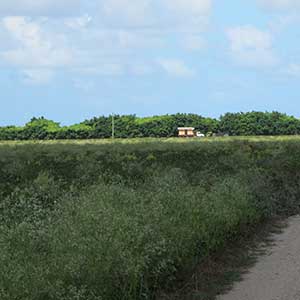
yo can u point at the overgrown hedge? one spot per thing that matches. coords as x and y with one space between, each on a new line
120 221
238 124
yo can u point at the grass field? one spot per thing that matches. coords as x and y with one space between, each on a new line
155 140
123 219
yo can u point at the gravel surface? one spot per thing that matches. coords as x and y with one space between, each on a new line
276 275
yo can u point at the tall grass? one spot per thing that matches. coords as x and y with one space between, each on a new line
117 221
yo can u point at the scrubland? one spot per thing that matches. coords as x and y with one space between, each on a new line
93 220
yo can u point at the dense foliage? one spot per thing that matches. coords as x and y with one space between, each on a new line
252 123
101 127
259 123
120 221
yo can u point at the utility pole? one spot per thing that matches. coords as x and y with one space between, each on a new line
113 126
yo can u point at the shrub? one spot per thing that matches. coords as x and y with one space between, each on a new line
100 222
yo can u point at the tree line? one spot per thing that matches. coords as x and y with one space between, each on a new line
131 126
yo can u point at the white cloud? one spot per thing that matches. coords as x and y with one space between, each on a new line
175 67
281 22
39 7
190 7
101 69
78 22
142 68
34 51
188 15
84 85
112 12
99 37
139 39
35 48
131 12
280 5
37 76
175 14
252 47
293 70
249 38
193 42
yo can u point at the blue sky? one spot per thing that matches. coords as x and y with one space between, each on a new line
70 60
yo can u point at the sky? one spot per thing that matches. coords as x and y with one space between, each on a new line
70 60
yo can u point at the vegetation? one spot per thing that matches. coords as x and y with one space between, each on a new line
122 220
259 123
131 126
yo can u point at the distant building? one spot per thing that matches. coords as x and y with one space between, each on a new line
186 132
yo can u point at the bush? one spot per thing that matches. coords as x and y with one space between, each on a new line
121 221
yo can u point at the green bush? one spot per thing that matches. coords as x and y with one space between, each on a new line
100 222
165 126
126 126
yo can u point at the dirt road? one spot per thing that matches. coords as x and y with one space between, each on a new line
276 276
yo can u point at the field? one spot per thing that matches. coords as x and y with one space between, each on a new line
109 220
156 140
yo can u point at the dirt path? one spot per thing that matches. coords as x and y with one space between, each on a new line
276 276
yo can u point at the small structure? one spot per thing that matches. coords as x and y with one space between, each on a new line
186 131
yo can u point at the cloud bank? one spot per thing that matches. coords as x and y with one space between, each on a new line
280 5
250 46
104 35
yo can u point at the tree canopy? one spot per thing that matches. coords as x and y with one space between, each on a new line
131 126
